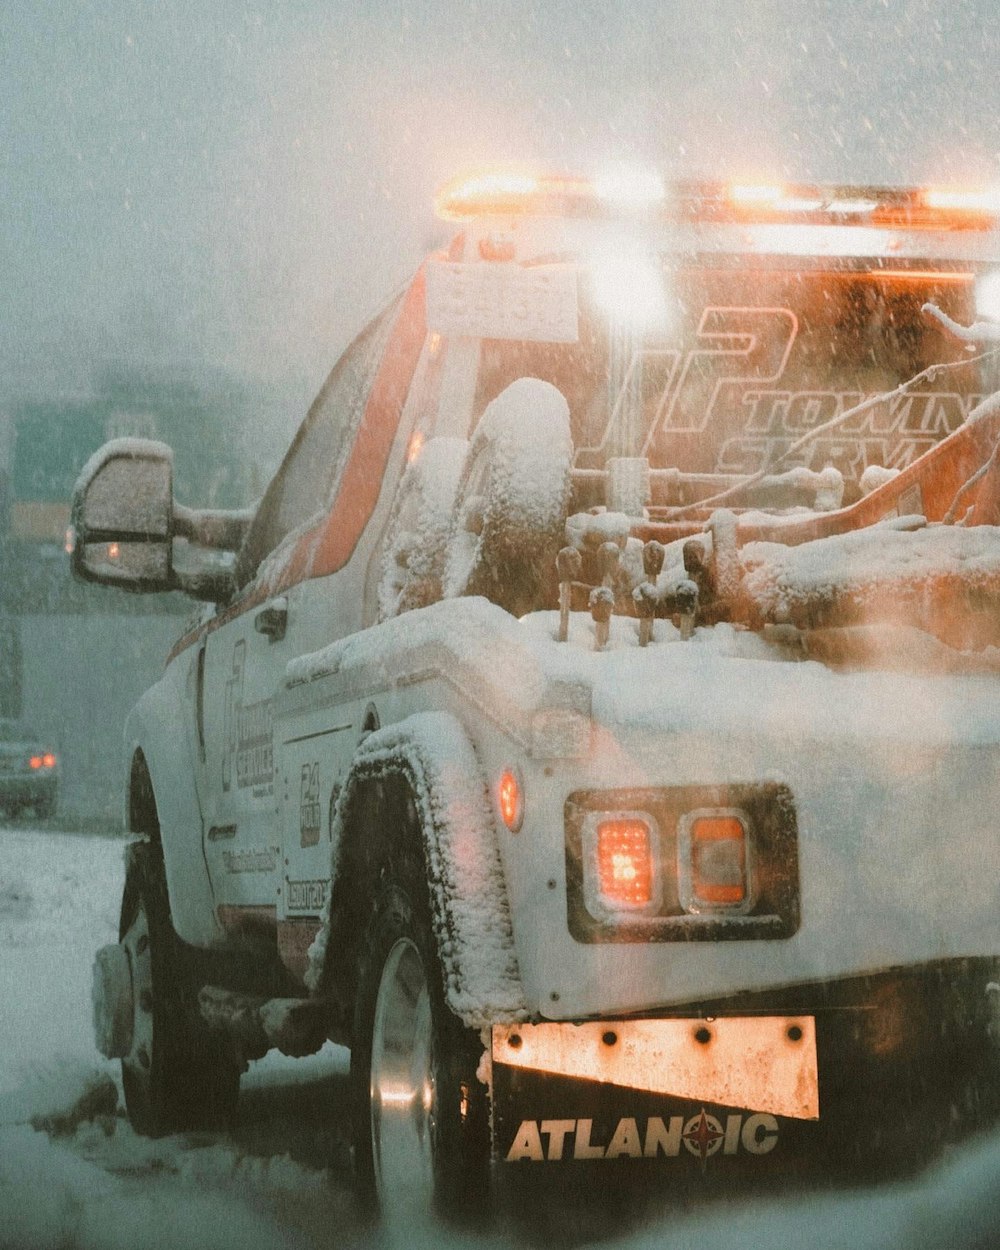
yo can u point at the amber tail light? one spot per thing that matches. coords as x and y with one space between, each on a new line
716 872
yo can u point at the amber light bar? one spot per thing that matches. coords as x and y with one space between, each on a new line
513 193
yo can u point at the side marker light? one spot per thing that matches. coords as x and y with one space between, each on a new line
510 800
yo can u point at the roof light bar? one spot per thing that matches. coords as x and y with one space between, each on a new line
956 200
628 192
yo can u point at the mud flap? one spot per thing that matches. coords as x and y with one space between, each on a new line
659 1095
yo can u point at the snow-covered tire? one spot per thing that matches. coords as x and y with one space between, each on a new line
178 1076
510 510
413 561
421 1118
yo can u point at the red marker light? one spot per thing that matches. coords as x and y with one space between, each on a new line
49 760
35 761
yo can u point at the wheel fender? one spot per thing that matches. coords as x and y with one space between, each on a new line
156 728
468 896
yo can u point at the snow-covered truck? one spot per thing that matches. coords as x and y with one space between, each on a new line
596 725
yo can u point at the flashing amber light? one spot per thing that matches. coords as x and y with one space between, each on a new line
963 200
756 193
719 860
625 862
510 800
113 551
464 197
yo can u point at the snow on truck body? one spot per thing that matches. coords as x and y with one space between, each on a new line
690 827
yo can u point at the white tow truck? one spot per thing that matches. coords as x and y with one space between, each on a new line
596 725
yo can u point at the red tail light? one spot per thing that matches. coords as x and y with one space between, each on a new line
625 862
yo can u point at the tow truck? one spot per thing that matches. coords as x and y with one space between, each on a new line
595 726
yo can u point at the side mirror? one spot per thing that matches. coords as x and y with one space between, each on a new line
122 516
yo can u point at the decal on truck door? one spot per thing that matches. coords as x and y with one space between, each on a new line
247 751
309 804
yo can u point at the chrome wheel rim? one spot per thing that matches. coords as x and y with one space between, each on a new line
136 943
402 1093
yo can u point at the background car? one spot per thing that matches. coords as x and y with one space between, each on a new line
29 771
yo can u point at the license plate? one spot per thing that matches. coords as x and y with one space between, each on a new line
503 302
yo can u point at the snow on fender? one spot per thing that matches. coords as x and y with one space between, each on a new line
510 511
468 895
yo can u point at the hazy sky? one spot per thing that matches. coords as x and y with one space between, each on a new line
241 182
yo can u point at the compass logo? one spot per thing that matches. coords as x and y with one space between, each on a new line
703 1135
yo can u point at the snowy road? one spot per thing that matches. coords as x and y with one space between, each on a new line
283 1180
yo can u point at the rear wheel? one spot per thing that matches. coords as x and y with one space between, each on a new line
178 1075
421 1126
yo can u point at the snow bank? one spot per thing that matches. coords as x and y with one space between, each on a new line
59 899
52 1199
62 1099
954 1208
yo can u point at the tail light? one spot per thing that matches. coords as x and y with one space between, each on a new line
622 863
625 862
714 867
697 863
